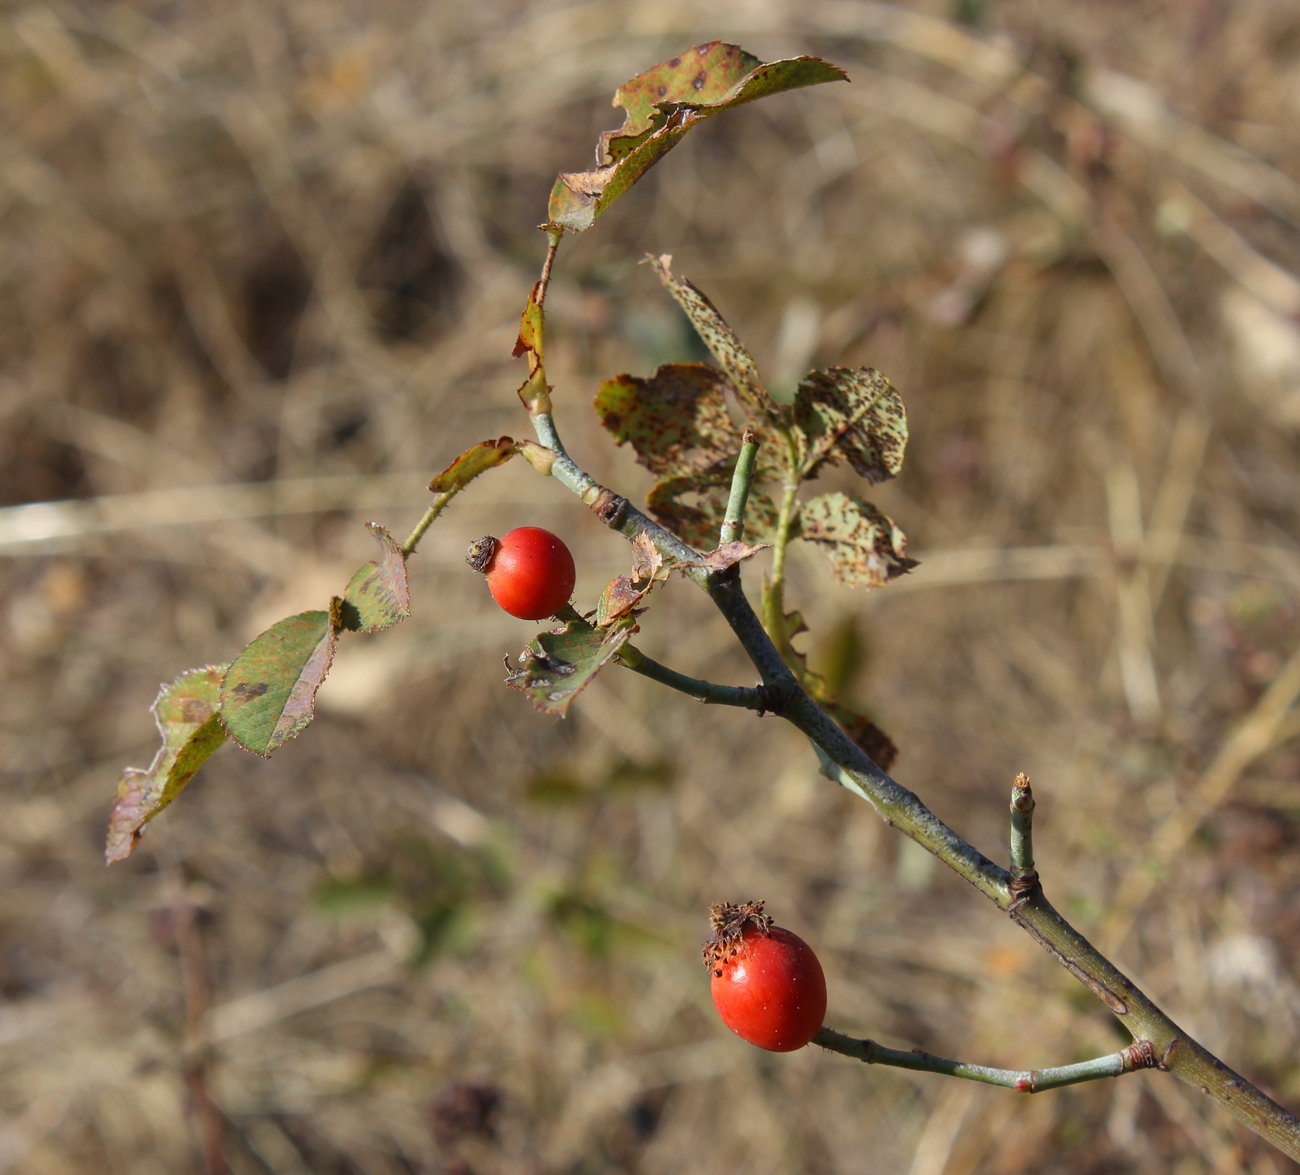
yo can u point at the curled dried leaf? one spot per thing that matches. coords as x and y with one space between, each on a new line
473 461
727 555
662 104
557 666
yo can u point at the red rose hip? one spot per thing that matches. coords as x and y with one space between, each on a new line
529 571
766 981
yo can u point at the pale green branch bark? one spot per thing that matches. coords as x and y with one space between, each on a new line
1137 1056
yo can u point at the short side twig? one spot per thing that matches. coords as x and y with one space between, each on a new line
733 522
1024 877
1139 1055
746 697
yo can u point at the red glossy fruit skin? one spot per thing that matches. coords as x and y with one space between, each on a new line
773 993
531 574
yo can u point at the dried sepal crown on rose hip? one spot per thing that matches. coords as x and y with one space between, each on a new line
766 982
529 571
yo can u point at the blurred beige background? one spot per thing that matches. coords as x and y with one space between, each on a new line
261 272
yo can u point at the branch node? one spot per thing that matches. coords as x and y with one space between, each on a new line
1163 1063
609 507
1141 1054
1023 888
771 697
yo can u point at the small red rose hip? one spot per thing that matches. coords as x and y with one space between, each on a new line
530 572
767 984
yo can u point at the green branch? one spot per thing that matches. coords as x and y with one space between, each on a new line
1023 873
436 507
1139 1055
774 585
847 764
744 697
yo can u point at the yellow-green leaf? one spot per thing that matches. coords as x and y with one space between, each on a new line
378 595
186 714
473 461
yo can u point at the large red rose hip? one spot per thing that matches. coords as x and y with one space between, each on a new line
529 571
766 981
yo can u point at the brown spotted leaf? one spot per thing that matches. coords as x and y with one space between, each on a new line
268 695
693 506
676 421
473 461
849 415
378 595
186 714
862 544
557 666
721 341
661 106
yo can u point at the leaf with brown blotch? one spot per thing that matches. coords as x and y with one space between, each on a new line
661 105
849 415
378 595
268 695
186 715
473 461
721 341
862 544
557 666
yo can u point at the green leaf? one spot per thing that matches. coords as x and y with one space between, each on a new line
557 666
664 103
186 714
862 544
720 339
693 506
378 595
850 415
676 421
473 461
268 695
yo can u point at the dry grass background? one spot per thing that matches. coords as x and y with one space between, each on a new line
261 273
